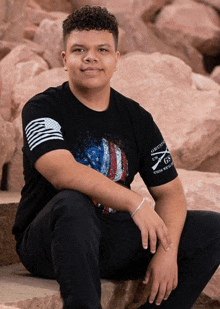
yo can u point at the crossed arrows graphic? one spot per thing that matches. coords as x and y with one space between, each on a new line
162 153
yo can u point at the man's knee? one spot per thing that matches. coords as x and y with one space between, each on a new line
73 207
72 201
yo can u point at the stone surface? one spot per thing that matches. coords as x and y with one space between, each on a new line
7 143
50 36
49 78
15 177
7 307
148 9
188 118
201 82
8 208
36 16
198 22
13 17
213 3
109 4
23 291
5 48
20 64
55 5
215 75
147 38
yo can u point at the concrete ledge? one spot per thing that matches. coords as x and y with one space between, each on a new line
8 207
20 290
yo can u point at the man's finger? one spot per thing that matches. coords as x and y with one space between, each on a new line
161 294
144 236
153 293
147 278
164 238
153 241
168 291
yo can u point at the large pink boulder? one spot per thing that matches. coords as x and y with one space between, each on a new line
49 78
11 26
55 5
148 9
20 64
50 36
148 38
198 22
109 4
188 118
213 3
215 75
36 16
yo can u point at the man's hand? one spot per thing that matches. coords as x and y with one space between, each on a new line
152 228
162 275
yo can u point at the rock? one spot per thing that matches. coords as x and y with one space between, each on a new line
29 31
112 5
201 82
20 64
7 143
202 191
5 48
148 9
198 23
7 307
13 16
49 78
15 177
55 5
215 75
50 36
188 118
147 38
213 3
36 16
8 208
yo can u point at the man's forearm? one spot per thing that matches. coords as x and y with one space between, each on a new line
171 207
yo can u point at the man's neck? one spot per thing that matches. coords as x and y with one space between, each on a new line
95 99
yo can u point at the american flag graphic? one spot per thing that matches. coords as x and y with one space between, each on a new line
42 130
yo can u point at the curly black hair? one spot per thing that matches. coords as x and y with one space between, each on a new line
91 18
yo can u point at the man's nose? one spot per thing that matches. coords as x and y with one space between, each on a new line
90 56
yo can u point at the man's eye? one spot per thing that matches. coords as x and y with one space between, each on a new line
78 50
103 50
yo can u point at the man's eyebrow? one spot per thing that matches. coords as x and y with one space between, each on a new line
98 45
77 45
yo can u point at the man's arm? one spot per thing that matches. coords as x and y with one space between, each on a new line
61 169
162 272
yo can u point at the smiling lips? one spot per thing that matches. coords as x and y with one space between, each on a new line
91 69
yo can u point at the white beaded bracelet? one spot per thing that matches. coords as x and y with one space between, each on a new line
139 206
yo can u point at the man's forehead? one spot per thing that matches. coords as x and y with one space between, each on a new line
98 37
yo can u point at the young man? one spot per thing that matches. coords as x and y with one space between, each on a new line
78 221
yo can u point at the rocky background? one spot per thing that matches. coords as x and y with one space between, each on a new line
170 64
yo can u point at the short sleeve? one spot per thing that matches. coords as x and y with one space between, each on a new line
42 127
156 164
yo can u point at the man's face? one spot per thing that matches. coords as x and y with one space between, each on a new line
90 59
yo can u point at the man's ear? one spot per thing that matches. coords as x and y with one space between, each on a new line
63 55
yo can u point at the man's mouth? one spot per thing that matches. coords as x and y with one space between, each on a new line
91 69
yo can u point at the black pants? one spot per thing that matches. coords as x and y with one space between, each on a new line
72 241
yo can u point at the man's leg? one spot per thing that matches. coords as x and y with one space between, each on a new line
199 257
63 242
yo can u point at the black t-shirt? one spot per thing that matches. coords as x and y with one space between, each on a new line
118 142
